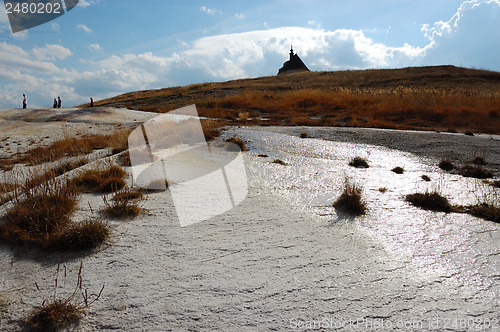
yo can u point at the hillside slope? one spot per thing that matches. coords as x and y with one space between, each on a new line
437 98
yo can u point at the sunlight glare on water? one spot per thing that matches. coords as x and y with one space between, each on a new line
447 244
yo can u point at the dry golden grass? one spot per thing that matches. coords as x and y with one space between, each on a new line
56 314
429 98
238 141
69 147
350 201
100 179
39 214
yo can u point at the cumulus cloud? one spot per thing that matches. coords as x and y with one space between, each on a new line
83 27
469 38
465 39
210 11
86 3
95 47
239 16
51 52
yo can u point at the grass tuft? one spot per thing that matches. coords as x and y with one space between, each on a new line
237 141
101 180
279 162
429 201
121 207
358 162
61 314
54 316
82 236
475 172
446 165
398 170
39 214
304 135
350 201
485 211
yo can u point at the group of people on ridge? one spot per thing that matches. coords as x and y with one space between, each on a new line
57 102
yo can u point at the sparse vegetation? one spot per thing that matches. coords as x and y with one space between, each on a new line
359 162
430 201
430 98
485 211
478 161
382 190
81 236
475 172
121 207
398 170
304 135
56 314
279 162
100 180
263 155
446 165
350 201
426 178
69 147
237 141
495 183
39 214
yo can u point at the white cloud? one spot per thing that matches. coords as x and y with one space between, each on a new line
465 39
95 47
51 52
239 16
85 3
469 38
55 27
210 11
83 27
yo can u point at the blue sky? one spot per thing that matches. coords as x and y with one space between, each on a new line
102 48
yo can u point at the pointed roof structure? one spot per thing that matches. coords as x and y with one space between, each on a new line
293 65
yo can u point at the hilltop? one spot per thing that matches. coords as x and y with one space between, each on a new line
424 98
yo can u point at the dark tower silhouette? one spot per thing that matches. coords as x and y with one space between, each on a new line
293 65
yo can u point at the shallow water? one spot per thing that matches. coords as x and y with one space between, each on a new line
438 244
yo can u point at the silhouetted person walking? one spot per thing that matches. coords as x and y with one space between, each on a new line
55 103
91 102
58 102
25 101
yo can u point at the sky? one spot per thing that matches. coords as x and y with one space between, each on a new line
103 48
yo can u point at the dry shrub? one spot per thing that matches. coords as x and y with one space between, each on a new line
425 178
279 162
101 180
350 201
39 214
304 135
446 165
58 314
70 147
121 207
398 170
82 236
237 141
211 129
429 201
358 162
475 172
485 211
